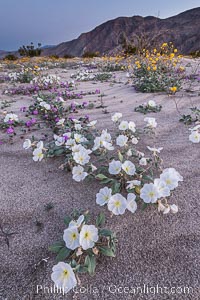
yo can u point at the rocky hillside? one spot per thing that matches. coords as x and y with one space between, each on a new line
183 30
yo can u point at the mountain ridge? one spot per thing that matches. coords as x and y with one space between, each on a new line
182 29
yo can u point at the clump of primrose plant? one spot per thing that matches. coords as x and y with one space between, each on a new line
81 246
151 106
130 175
194 136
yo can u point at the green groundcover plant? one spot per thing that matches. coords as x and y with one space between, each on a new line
130 179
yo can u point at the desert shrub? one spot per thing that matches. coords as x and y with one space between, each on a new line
195 54
30 50
155 71
90 54
68 56
54 56
10 57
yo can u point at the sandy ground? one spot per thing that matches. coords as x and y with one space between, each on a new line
153 250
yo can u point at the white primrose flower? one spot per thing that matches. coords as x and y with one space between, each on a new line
78 222
152 103
75 121
103 141
77 127
129 153
40 145
94 168
195 128
123 125
115 118
27 144
45 105
166 210
70 143
79 147
173 172
155 150
105 136
71 238
149 193
117 204
78 173
97 143
63 277
11 117
143 161
129 167
163 190
79 138
194 137
92 123
103 196
151 122
37 154
174 208
115 167
59 140
131 126
60 122
121 140
134 141
108 146
161 207
171 178
60 99
140 154
133 183
81 157
131 203
88 236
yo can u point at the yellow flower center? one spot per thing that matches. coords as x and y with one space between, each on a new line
65 274
87 235
74 236
117 203
151 194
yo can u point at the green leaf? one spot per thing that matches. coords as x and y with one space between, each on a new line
107 180
73 263
120 156
67 220
63 254
59 152
144 206
100 219
101 176
57 246
147 178
106 251
82 269
90 263
116 187
105 232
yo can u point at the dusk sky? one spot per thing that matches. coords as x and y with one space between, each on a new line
51 22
